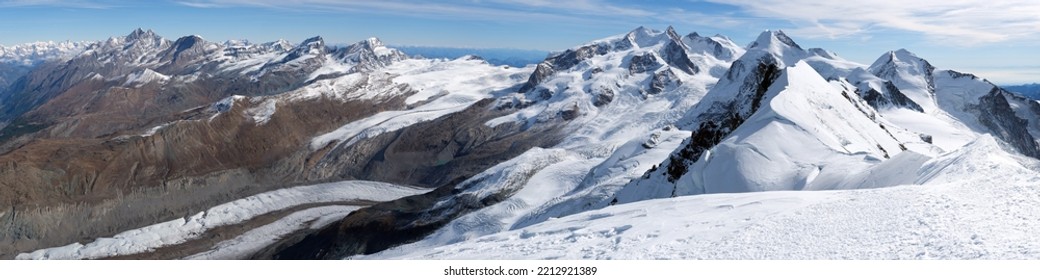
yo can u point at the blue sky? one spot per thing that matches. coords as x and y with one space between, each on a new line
997 40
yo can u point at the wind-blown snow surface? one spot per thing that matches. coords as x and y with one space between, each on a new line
954 214
184 229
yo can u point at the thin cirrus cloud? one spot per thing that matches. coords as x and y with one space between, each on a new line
578 10
965 22
85 4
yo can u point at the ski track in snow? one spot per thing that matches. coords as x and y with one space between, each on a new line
184 229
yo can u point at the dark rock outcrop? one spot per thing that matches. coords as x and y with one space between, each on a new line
996 114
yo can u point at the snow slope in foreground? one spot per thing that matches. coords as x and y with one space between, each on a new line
185 229
978 203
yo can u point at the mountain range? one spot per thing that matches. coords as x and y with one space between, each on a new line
1027 90
648 144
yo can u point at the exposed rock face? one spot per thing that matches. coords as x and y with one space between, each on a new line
889 97
663 80
643 63
368 55
716 125
996 114
674 53
565 60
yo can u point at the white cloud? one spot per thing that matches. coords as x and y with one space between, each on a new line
964 22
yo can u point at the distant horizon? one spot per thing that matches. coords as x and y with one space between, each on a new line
995 41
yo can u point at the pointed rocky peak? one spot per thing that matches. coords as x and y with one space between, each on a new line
371 46
368 54
315 43
673 35
314 46
770 45
906 70
143 37
139 42
901 58
139 33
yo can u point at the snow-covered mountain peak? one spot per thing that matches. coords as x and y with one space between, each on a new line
368 54
372 42
734 145
716 46
641 50
774 40
141 34
910 73
645 37
144 39
313 45
309 48
279 45
373 46
904 59
773 46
